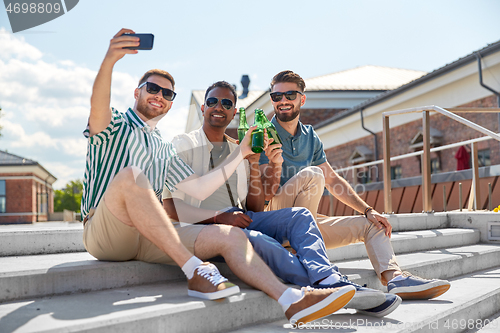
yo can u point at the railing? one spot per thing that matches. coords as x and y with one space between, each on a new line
426 161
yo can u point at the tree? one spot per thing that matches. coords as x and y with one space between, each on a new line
69 197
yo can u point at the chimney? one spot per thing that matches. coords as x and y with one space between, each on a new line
245 82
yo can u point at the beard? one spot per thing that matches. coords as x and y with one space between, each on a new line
288 116
148 112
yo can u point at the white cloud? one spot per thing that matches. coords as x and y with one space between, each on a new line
12 46
15 133
63 173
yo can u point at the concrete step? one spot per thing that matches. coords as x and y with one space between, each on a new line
161 307
41 238
488 325
471 299
411 241
438 264
419 221
43 275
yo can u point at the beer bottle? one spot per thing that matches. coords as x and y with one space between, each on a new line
271 130
258 133
243 128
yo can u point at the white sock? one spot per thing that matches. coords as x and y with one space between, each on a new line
290 296
398 278
334 278
190 266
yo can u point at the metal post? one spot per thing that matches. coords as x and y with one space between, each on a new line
426 163
475 177
355 176
489 197
387 166
444 197
460 195
330 197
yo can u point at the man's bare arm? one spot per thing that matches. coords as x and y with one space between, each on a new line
271 172
255 197
271 176
202 187
347 195
100 112
181 211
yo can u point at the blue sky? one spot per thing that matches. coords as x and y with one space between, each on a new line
46 73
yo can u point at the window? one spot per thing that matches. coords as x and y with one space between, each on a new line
364 176
483 157
396 172
42 203
2 196
435 165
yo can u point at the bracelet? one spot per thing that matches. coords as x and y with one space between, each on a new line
367 210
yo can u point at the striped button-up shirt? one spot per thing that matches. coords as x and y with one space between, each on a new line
129 141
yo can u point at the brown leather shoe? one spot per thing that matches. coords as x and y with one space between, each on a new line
208 283
319 303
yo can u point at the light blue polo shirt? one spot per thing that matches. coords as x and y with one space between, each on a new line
299 151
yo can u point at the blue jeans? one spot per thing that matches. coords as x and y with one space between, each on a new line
271 229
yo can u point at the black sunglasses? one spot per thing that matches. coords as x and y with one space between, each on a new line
225 103
290 95
153 88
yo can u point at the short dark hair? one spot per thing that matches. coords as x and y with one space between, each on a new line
289 76
159 72
222 84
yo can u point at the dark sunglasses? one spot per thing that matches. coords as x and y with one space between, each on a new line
225 103
290 95
153 89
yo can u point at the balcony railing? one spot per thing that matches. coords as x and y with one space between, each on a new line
426 161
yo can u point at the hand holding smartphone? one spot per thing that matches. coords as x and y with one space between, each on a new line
146 41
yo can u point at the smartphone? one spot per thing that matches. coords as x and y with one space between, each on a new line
146 41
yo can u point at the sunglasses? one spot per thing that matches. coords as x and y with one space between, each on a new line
225 103
290 95
153 89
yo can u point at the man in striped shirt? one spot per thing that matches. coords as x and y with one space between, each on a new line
127 165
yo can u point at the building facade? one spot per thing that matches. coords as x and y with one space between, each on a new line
346 108
26 194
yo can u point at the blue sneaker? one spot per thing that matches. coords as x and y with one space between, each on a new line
414 287
390 304
364 298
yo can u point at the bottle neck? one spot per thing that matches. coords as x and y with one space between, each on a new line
243 119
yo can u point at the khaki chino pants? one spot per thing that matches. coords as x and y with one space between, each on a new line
107 238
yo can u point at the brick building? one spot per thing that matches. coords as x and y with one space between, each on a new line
455 85
26 193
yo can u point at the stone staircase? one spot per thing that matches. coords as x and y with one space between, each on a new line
48 283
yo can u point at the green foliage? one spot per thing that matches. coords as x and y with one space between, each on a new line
69 197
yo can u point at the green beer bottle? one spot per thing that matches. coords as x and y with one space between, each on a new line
243 128
271 130
258 133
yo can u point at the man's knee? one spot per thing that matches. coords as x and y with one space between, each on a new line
314 174
225 235
131 176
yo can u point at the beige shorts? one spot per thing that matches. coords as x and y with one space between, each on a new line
107 238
